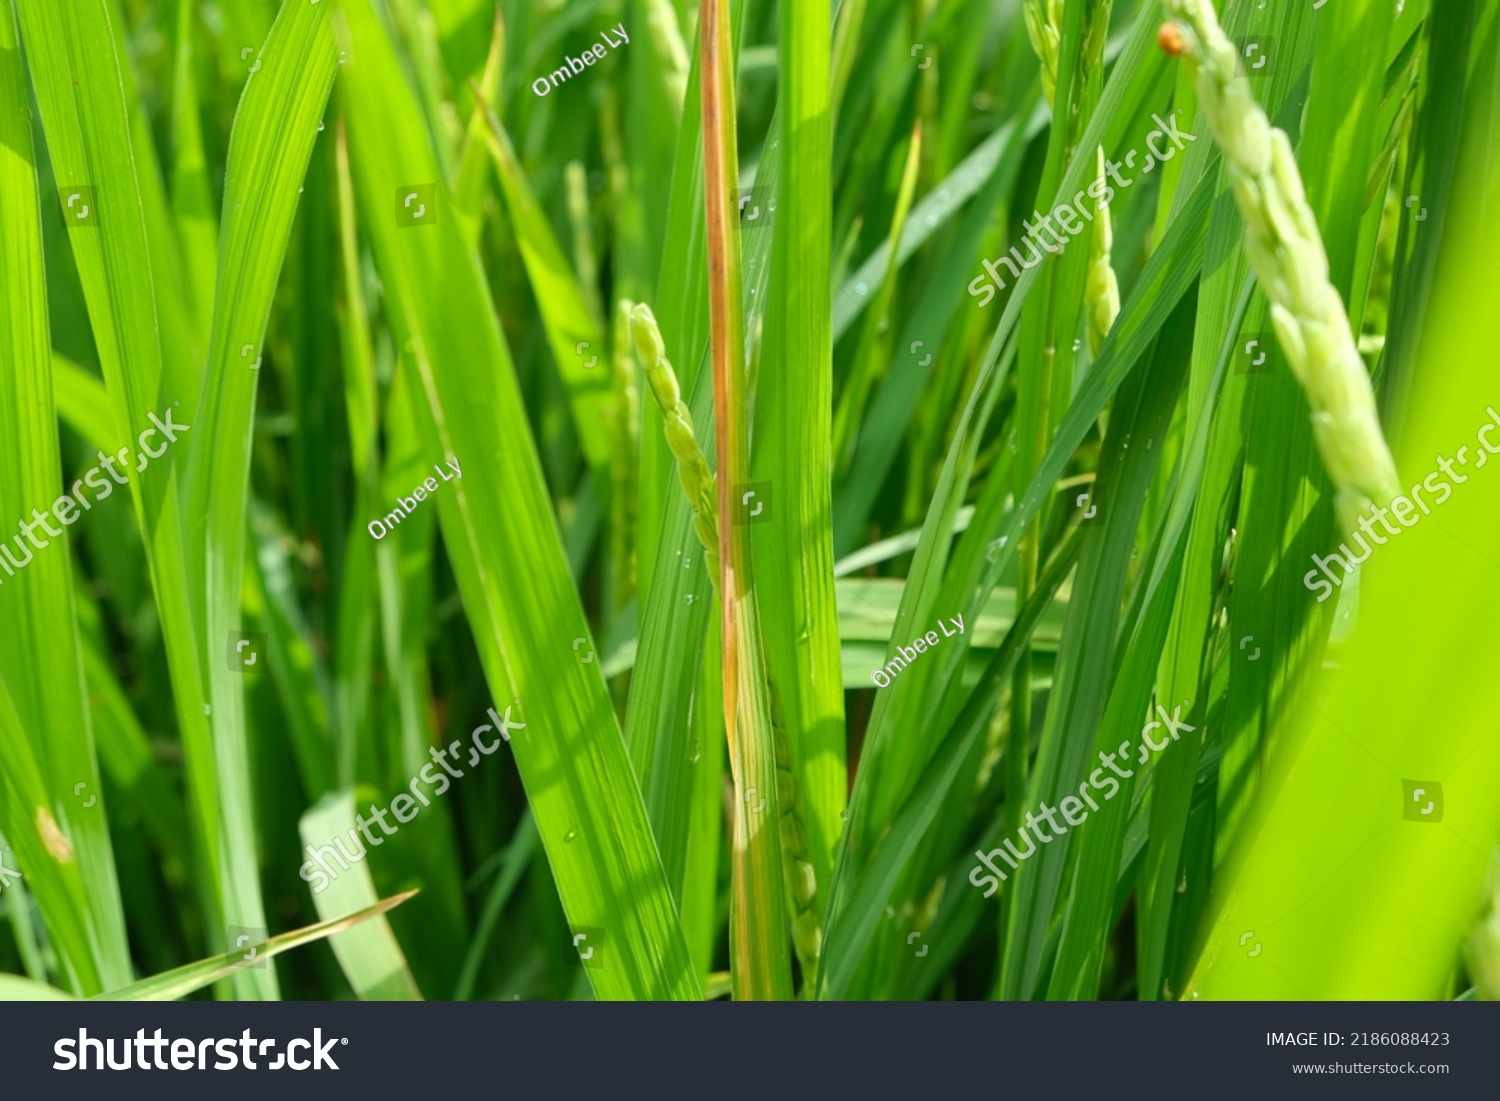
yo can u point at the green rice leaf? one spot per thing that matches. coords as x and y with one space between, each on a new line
88 126
793 555
275 128
184 980
40 659
368 952
578 348
506 549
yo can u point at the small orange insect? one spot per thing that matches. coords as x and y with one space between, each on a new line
1169 38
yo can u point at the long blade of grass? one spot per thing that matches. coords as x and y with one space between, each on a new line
506 550
275 129
88 129
40 657
578 348
184 980
45 857
83 404
302 683
517 859
699 897
192 192
125 753
182 341
794 553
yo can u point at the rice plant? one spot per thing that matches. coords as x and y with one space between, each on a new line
639 499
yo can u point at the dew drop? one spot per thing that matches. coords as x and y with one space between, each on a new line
697 751
844 814
861 288
570 835
1077 344
320 127
688 599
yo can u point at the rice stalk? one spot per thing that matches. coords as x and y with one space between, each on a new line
576 180
698 484
1101 288
760 962
666 38
1101 294
1286 254
1044 29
